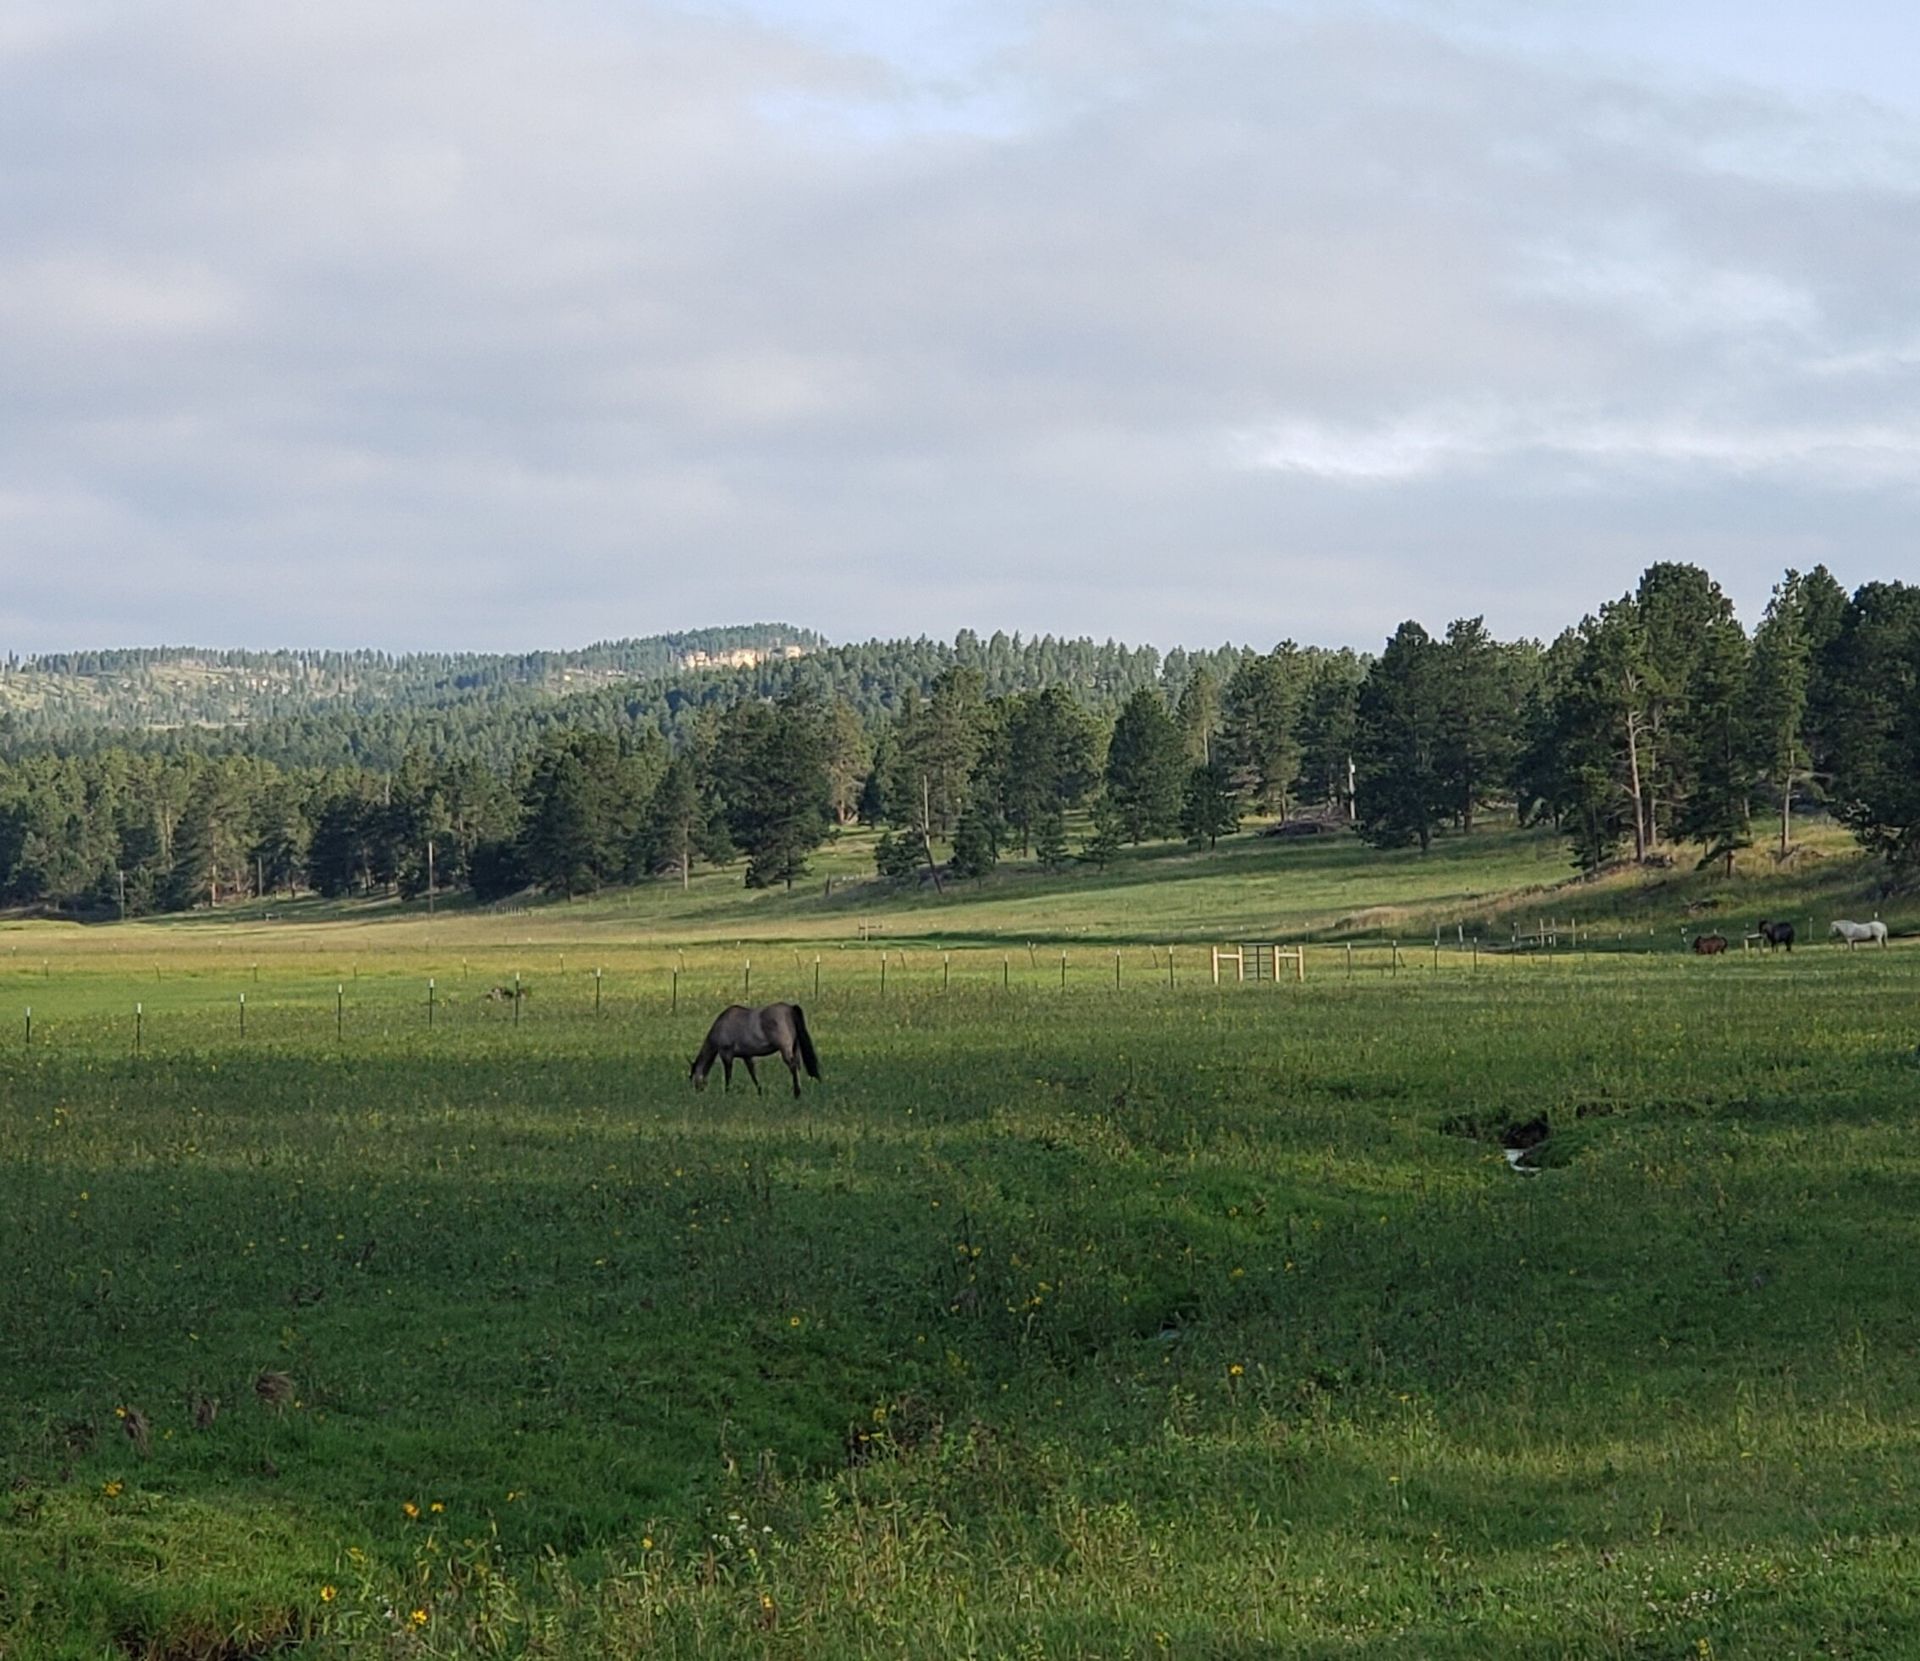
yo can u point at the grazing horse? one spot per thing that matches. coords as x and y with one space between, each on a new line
1874 933
740 1034
1709 945
1776 934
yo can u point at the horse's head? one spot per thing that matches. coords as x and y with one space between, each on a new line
698 1072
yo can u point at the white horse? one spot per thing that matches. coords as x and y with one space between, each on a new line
1874 933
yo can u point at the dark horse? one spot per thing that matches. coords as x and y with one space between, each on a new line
1709 945
740 1034
1776 934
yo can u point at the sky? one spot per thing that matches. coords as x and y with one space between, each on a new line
473 324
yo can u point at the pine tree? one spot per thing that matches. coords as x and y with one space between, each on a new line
976 847
1211 809
1477 733
1718 737
1108 826
1197 714
1781 678
1146 769
771 766
1401 794
896 858
672 829
1259 727
559 842
1050 839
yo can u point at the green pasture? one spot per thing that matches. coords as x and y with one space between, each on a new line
1095 1320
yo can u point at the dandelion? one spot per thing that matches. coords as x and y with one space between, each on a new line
411 1510
793 1320
1235 1370
418 1617
436 1507
111 1489
329 1593
646 1542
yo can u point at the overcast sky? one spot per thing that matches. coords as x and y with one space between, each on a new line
471 323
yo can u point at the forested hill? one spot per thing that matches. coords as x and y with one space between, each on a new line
59 699
374 710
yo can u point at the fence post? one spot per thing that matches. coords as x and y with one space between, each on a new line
29 1026
746 984
243 1015
1116 971
339 1010
946 971
516 997
675 1007
1006 972
429 1000
816 974
139 1020
1063 971
596 992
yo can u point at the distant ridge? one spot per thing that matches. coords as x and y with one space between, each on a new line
164 687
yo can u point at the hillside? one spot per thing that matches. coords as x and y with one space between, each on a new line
1328 890
146 689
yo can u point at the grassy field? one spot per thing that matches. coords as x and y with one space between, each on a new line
1082 1319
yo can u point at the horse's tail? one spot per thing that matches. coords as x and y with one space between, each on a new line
805 1043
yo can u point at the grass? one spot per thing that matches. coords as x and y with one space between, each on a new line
1072 1321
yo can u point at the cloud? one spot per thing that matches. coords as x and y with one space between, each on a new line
498 325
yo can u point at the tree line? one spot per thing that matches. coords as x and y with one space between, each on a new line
1653 725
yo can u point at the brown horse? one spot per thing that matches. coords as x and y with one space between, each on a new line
1709 945
740 1034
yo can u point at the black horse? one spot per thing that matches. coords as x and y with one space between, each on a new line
740 1034
1776 934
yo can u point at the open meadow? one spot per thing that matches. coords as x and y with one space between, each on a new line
1096 1312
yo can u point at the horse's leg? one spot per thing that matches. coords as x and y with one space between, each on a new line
752 1074
791 1056
726 1066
